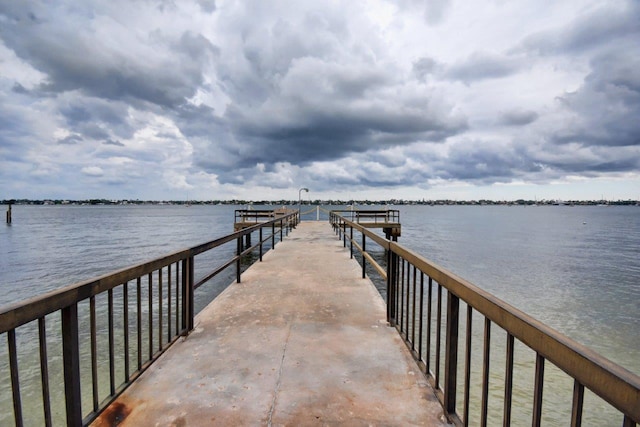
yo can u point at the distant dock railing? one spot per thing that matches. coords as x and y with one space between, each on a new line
249 217
127 319
387 219
434 331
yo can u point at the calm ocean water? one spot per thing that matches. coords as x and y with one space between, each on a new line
47 247
575 268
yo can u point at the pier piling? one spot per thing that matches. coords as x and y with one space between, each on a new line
9 214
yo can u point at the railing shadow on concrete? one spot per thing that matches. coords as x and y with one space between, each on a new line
127 319
433 330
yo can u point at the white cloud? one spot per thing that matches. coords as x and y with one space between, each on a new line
92 171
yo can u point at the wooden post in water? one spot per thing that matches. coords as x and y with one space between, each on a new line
9 214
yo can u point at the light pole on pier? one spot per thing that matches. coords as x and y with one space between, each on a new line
300 196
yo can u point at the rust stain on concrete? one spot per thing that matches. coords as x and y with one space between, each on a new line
113 416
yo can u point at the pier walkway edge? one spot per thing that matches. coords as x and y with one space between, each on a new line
302 340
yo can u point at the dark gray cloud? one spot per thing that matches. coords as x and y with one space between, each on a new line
300 99
560 160
518 118
607 105
70 140
424 67
13 126
208 6
482 161
112 142
18 88
610 23
273 93
74 57
94 131
332 134
483 65
84 115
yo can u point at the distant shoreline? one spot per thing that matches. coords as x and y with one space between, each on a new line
359 203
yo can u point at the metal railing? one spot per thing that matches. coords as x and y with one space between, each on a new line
139 311
254 216
370 216
433 330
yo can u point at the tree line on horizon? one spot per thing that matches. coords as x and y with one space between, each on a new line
330 202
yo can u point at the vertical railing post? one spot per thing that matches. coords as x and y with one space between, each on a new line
451 353
392 263
344 234
260 243
192 308
187 295
281 229
239 254
351 242
364 259
71 363
273 235
15 377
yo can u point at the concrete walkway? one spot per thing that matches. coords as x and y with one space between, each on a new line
301 341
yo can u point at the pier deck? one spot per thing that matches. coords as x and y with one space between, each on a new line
301 341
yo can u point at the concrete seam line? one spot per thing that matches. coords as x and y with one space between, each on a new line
278 380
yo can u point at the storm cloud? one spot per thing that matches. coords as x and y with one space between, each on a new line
253 98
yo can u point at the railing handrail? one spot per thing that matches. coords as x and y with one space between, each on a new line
158 277
387 215
612 382
19 313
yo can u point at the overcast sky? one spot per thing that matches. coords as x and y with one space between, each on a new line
217 99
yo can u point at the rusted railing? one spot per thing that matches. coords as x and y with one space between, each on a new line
127 319
433 311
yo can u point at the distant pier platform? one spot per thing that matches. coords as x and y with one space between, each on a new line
302 340
386 219
245 218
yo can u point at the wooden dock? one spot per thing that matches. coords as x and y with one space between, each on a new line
302 340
